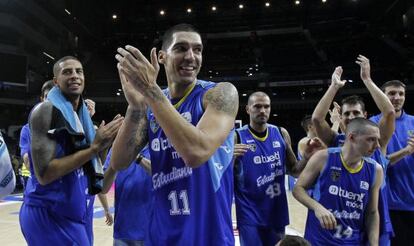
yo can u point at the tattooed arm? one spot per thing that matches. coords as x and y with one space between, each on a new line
46 166
196 144
131 138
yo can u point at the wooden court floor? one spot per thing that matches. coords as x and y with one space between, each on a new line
11 235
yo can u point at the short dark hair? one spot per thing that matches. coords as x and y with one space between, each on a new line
353 100
358 126
290 240
168 35
395 83
47 86
257 93
306 122
56 67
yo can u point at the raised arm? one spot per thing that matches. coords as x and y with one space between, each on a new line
46 166
387 121
372 214
306 179
133 135
322 128
195 144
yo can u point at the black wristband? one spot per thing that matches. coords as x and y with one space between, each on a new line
139 158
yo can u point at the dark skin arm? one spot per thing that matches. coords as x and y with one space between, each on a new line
47 167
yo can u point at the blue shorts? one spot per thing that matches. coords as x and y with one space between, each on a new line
259 235
42 227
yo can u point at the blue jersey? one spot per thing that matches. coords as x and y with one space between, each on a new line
339 140
66 196
385 220
132 201
24 143
260 193
191 206
345 193
400 176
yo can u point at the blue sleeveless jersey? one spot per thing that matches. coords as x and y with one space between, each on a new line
346 195
132 200
385 220
65 196
260 193
400 177
191 206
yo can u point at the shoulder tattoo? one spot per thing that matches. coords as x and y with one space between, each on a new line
223 98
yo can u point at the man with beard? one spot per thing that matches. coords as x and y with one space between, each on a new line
262 158
64 142
189 130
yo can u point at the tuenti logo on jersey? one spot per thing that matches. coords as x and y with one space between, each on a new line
161 179
263 159
338 191
158 144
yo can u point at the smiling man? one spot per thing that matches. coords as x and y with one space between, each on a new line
64 141
189 129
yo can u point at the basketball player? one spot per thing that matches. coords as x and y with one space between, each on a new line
352 107
261 202
133 196
189 129
346 183
63 141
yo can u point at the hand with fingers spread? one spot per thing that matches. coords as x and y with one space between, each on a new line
106 133
325 217
336 78
90 105
240 150
363 62
138 71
